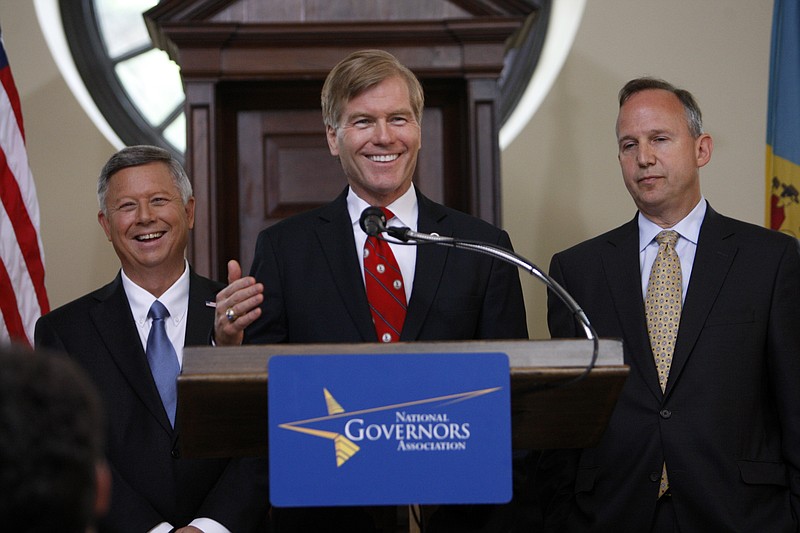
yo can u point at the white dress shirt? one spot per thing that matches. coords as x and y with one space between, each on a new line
406 213
688 230
176 300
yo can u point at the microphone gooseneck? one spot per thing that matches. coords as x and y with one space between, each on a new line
373 222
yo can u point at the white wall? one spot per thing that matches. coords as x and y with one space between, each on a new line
561 181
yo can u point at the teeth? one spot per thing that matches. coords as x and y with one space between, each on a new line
383 158
150 236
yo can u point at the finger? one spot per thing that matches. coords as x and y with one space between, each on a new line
242 303
229 333
242 321
232 319
237 291
234 270
239 297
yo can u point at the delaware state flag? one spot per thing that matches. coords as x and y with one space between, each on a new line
783 120
23 298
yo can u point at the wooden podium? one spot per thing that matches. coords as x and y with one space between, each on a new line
222 406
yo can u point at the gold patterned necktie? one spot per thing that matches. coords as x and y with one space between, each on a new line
663 307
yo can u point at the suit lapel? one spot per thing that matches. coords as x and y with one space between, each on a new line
621 264
114 323
200 317
429 267
713 259
335 234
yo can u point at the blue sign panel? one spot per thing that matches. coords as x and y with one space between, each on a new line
389 429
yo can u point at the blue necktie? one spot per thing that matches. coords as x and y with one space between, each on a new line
163 360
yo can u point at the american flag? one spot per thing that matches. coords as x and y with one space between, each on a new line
23 298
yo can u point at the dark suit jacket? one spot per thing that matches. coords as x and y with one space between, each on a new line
314 291
728 424
151 483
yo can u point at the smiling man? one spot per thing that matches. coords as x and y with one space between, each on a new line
310 282
704 436
146 211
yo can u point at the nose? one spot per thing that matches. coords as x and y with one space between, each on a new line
382 133
645 155
144 212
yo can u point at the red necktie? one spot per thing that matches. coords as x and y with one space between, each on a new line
385 290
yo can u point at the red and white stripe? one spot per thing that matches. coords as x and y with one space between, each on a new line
23 297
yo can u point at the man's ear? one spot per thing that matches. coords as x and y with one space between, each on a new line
189 207
101 218
704 145
330 135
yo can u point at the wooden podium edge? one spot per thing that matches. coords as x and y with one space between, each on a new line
225 414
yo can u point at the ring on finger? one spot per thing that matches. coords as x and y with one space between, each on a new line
230 314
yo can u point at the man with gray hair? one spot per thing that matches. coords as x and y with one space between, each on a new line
129 337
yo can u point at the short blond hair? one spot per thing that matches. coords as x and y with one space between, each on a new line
361 71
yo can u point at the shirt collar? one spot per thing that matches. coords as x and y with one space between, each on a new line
688 227
405 208
175 299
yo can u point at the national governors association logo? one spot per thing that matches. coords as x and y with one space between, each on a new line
410 430
401 428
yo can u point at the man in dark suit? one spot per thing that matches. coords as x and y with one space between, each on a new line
307 283
146 211
309 267
706 433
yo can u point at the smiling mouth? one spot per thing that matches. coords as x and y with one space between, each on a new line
149 236
388 158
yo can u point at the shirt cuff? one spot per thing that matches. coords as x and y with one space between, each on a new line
207 525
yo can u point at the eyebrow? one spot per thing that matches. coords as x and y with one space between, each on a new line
366 114
650 133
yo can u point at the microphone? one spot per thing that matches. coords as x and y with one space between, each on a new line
373 221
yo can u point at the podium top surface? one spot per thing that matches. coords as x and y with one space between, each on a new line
555 353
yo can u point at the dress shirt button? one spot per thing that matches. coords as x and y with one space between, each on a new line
655 476
665 413
175 453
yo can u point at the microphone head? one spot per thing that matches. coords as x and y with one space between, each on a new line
372 221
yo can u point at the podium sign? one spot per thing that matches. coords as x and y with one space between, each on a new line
389 429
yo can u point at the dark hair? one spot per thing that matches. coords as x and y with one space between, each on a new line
51 441
694 117
134 156
359 72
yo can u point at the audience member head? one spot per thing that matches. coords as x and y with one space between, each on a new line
52 473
